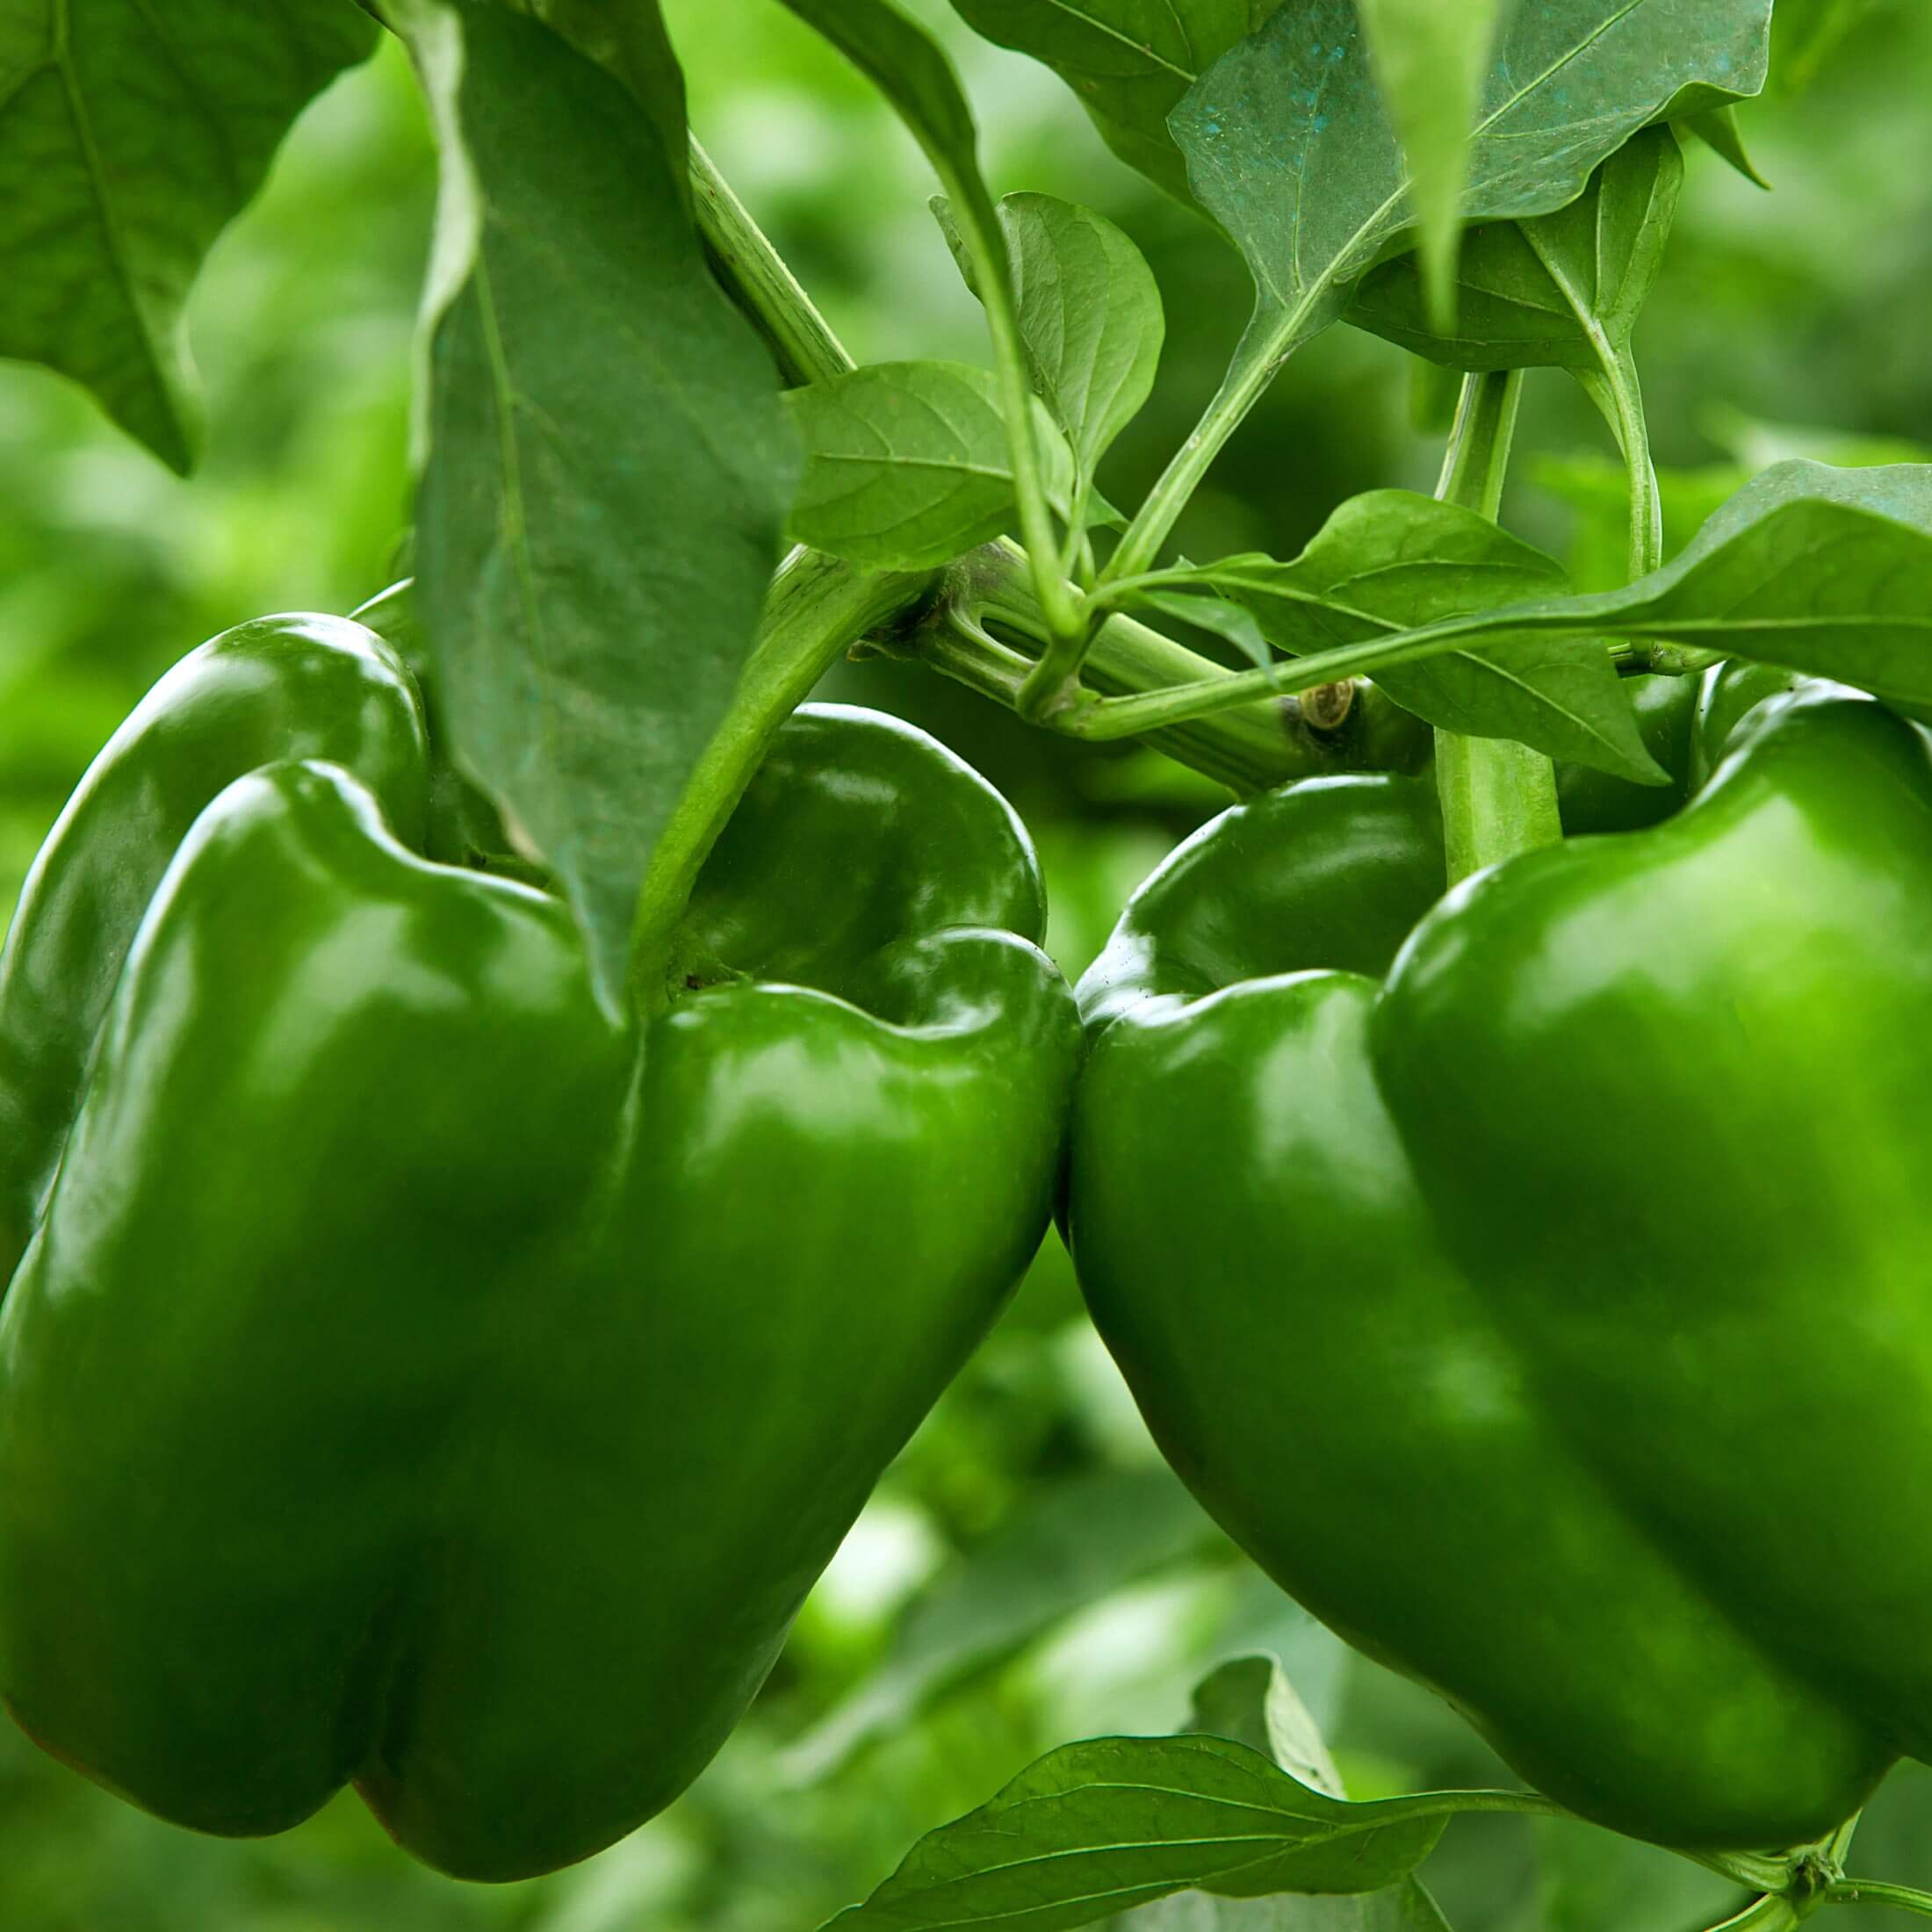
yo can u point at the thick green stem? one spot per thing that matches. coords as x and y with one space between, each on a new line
1255 365
1498 797
817 607
1875 1891
989 601
801 340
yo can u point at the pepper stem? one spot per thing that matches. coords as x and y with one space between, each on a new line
1498 797
815 609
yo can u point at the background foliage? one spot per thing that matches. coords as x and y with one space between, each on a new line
1028 1573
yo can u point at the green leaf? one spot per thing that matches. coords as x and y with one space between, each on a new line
130 135
608 468
1719 132
908 465
1429 58
1391 561
1820 570
1092 1828
1129 60
907 65
1090 315
629 43
1251 1700
1559 290
1289 148
1226 619
1074 1543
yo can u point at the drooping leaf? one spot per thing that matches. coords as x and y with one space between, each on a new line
1429 57
1820 570
1718 130
608 468
130 136
1129 60
1092 1828
1391 561
1090 315
908 465
1558 290
1289 148
1080 1540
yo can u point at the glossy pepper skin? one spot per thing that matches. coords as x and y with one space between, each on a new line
414 1378
1547 1303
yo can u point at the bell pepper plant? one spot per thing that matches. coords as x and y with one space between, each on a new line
511 1113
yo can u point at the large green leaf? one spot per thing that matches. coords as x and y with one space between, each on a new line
1391 561
608 468
1289 148
1092 1828
1429 58
1820 570
130 135
1557 290
1129 60
629 42
909 465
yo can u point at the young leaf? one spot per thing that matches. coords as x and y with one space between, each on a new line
1129 60
909 67
1288 148
1090 315
1391 561
1820 570
1092 1828
908 465
607 467
1559 290
128 143
1429 58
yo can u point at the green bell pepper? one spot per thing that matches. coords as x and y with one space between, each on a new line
1541 1297
414 1377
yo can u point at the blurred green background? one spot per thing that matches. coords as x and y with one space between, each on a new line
1027 1573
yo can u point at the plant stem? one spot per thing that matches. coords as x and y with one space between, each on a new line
1256 361
816 607
1875 1891
1498 797
1249 748
1770 1913
800 339
1256 743
1618 397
